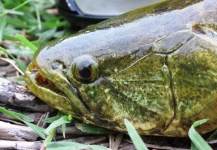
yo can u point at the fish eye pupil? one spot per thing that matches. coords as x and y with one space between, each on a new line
85 73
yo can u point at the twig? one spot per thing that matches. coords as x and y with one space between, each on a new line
16 132
95 140
17 95
117 142
21 145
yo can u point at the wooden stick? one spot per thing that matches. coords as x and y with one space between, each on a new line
16 132
14 94
21 145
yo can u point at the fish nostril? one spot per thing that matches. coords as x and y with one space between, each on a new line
58 65
33 68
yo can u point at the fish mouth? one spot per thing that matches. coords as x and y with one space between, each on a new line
41 81
46 91
36 80
44 82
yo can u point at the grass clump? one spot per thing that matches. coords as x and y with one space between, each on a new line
23 21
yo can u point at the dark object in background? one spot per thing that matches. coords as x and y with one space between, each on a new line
75 16
81 13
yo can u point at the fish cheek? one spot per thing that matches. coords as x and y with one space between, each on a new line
97 98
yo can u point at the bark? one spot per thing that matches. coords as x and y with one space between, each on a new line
13 134
20 145
16 132
13 94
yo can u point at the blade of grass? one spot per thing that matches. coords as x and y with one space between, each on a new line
13 64
50 136
213 136
136 139
37 129
193 146
44 36
2 26
51 119
15 8
1 7
64 130
23 117
55 124
51 130
89 128
19 63
198 141
37 15
72 145
13 12
9 113
27 43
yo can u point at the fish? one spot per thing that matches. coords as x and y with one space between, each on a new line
155 66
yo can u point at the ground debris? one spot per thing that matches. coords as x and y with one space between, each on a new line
20 145
16 95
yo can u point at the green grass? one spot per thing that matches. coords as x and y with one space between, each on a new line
26 25
21 20
137 140
198 143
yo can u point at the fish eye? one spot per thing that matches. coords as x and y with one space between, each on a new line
85 69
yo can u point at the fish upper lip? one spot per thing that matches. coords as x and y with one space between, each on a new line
46 83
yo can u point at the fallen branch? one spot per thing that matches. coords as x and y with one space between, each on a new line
16 132
21 145
13 94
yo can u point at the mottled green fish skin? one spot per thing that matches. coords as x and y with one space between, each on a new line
157 68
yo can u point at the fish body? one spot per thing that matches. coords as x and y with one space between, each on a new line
155 66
